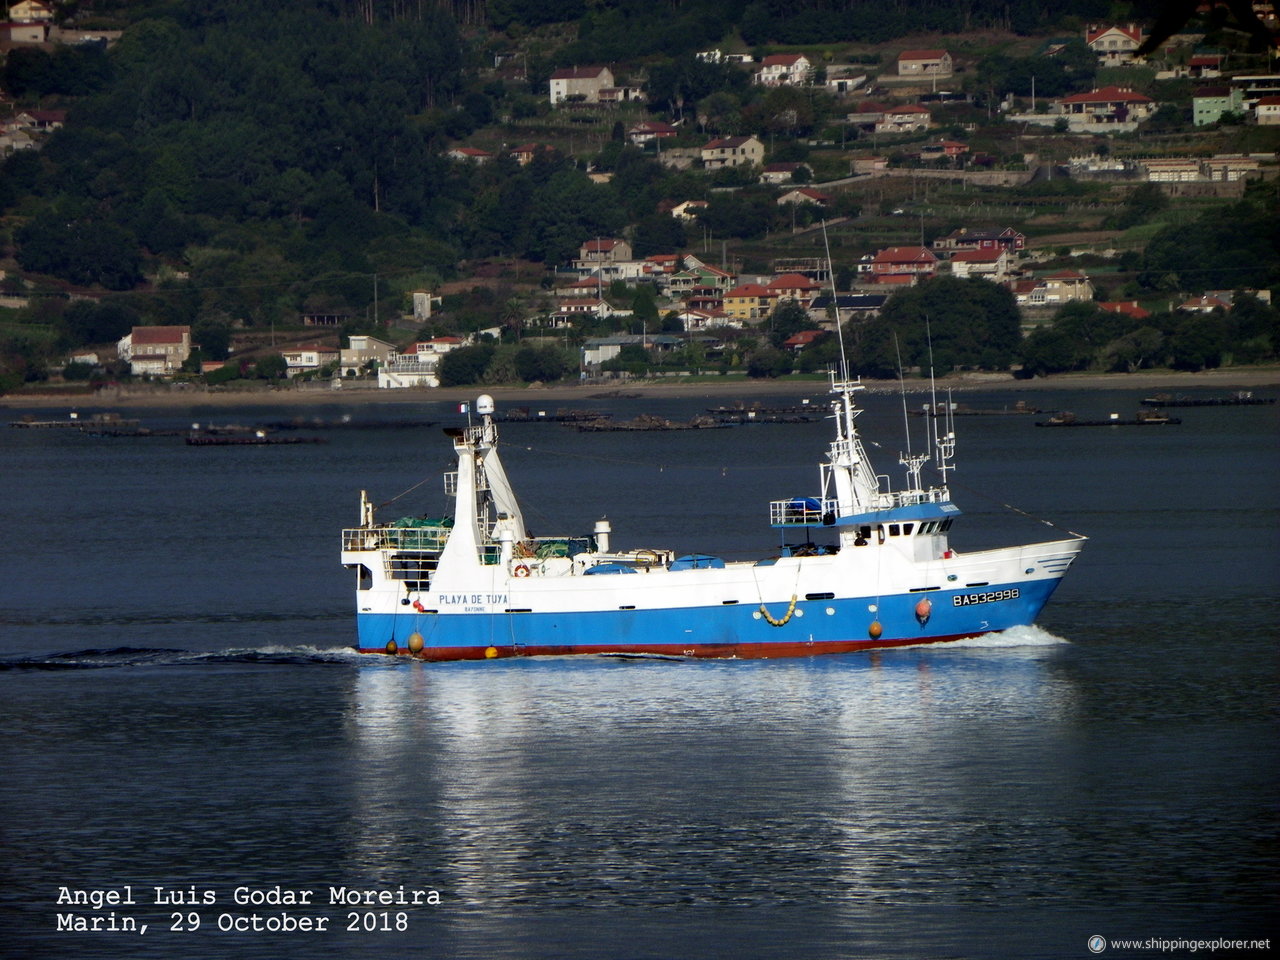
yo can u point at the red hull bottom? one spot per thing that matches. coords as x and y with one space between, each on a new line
704 651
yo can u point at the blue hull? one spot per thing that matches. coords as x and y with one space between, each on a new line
815 626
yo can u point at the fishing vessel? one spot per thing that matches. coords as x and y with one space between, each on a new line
859 565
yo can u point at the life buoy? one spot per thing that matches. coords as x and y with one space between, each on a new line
521 570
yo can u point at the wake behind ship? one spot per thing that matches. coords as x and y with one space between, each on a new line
861 566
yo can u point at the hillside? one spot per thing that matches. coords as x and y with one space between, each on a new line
228 166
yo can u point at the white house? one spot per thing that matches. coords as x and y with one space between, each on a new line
1267 111
1114 45
158 351
583 82
990 264
908 119
308 356
732 152
363 349
781 69
30 11
925 63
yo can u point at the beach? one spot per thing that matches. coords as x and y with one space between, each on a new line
169 395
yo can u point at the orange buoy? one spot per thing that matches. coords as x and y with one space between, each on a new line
415 643
923 610
392 647
875 630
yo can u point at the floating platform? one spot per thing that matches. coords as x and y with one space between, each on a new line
248 441
1242 399
648 422
963 410
1143 419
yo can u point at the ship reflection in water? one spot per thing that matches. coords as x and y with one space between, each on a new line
566 783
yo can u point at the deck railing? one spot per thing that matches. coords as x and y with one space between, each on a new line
395 538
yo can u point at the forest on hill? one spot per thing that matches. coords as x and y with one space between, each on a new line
227 161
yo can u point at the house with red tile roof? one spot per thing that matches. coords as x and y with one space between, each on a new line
905 119
804 195
732 152
781 172
157 351
1267 111
1128 308
801 339
605 249
1118 108
1053 289
1207 303
473 154
1205 66
308 356
902 265
990 264
580 82
749 301
780 69
925 63
981 239
525 153
651 130
795 286
1113 44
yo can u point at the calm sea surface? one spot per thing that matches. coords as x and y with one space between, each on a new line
179 709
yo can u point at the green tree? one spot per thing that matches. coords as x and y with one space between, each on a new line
1198 342
768 362
271 367
545 364
464 365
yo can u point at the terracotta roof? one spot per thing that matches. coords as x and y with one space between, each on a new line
802 338
1129 308
978 256
578 73
903 255
1107 95
1269 102
726 142
781 59
1132 31
145 336
792 281
750 290
1205 93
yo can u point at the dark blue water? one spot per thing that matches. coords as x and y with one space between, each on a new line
178 708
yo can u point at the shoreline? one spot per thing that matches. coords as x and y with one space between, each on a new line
154 396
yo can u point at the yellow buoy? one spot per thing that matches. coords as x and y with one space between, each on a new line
415 643
392 647
875 630
490 652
